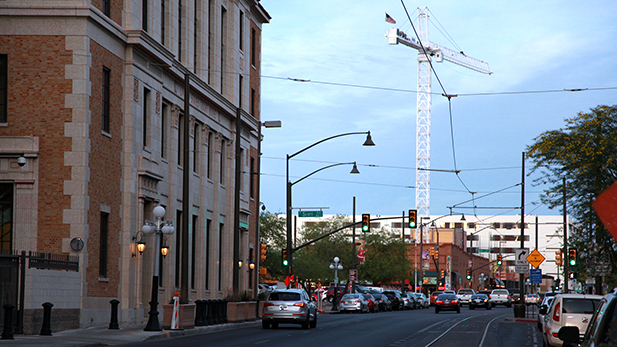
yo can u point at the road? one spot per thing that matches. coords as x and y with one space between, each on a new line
478 328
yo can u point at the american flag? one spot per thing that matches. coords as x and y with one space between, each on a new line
390 19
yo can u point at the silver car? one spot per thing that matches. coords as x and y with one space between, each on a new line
289 306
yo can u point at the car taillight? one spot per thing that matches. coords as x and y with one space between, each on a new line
357 301
439 302
507 296
556 312
454 301
300 304
469 300
485 300
268 304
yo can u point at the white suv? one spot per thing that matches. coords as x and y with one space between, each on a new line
568 310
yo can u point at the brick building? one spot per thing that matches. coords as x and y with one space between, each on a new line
92 95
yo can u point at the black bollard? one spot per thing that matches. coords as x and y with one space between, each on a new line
198 313
7 333
209 316
113 323
46 329
217 312
225 311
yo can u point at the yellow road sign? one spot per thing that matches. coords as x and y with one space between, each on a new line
535 258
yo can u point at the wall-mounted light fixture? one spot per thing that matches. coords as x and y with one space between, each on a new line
139 243
252 266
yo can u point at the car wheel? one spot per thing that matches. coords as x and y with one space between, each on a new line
471 307
314 322
265 324
509 305
305 325
275 325
488 307
458 311
436 310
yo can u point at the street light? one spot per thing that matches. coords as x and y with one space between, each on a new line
367 142
335 266
158 228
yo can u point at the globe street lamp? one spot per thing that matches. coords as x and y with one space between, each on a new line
335 266
158 228
288 210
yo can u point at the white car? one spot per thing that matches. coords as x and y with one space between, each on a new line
568 310
464 294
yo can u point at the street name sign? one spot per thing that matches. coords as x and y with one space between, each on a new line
310 213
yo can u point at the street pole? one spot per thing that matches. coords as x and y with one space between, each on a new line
521 283
353 241
565 255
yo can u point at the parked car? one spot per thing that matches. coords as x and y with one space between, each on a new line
479 300
395 299
408 302
422 300
464 294
353 302
289 306
532 299
568 310
434 296
447 302
372 302
546 304
600 329
500 297
384 302
329 295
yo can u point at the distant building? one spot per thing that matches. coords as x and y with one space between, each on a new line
92 95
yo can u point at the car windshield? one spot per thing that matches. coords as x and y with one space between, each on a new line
465 291
351 296
446 296
284 296
502 292
580 305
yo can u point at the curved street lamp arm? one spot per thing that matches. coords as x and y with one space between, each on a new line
326 139
323 168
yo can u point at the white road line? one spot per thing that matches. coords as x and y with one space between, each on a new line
486 329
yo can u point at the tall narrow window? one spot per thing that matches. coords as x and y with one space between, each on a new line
178 235
180 140
210 155
103 240
179 30
193 250
4 87
240 83
222 163
144 15
197 10
207 255
253 102
164 110
6 222
106 98
210 28
253 46
220 272
252 174
107 7
223 39
241 31
196 148
146 116
241 171
163 22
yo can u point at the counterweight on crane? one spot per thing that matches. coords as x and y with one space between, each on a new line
437 53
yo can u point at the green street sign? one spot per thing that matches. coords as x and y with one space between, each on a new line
483 250
310 213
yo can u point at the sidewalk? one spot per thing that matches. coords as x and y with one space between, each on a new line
102 336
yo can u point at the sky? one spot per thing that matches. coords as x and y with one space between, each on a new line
532 47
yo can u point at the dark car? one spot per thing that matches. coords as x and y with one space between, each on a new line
447 302
601 328
289 306
479 300
395 299
383 302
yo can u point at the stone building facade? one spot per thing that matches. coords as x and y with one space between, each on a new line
92 95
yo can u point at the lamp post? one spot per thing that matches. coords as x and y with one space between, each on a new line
158 228
288 209
335 266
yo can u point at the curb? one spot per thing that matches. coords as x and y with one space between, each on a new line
202 330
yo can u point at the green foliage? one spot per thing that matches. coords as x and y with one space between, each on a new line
272 232
585 152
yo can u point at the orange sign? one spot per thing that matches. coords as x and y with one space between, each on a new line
535 258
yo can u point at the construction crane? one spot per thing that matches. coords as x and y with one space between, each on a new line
437 53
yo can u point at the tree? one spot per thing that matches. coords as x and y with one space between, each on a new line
272 232
585 153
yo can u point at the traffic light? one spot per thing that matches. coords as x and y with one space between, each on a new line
572 256
413 214
436 254
432 253
443 274
263 249
499 259
558 259
468 274
366 222
285 262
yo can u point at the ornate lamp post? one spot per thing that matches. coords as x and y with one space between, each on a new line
158 228
335 266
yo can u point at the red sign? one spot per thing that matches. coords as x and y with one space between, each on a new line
606 208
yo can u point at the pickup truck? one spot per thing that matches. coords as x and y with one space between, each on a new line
464 294
500 297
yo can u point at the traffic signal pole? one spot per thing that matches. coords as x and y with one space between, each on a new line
565 240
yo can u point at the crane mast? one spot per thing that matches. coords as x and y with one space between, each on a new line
423 112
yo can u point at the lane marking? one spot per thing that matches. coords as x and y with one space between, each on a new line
486 329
